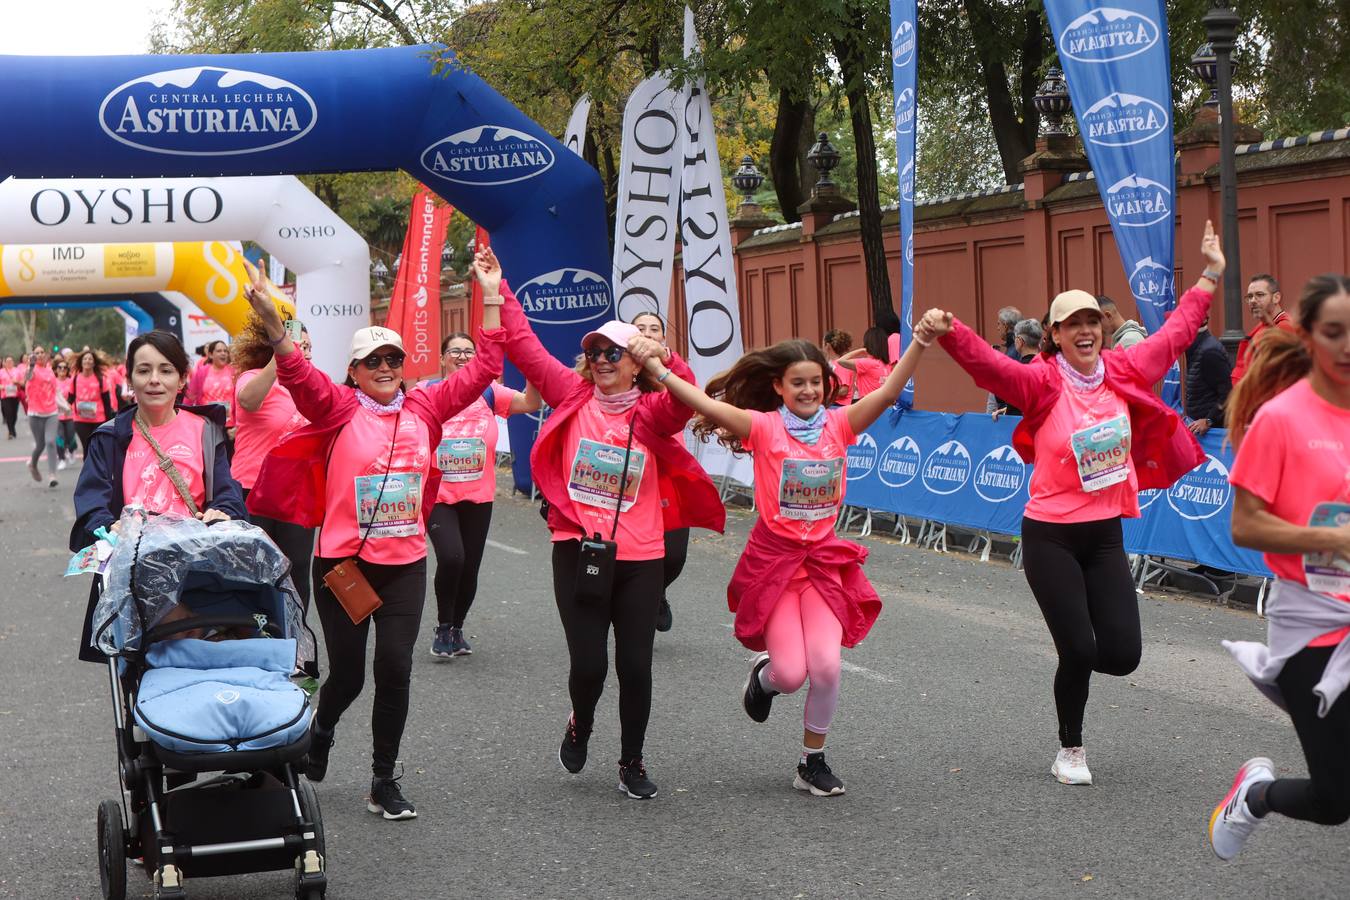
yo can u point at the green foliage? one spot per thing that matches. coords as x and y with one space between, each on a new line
103 329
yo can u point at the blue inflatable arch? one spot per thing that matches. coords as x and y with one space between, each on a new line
150 310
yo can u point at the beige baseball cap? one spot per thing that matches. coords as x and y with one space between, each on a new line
366 341
1070 302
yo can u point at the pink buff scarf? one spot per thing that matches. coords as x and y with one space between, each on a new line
378 408
1076 379
617 404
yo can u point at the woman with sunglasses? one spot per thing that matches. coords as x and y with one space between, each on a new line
605 410
360 471
467 458
65 422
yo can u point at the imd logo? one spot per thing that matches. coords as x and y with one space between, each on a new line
1122 120
1107 34
902 45
899 462
1201 493
488 155
904 111
1000 475
1137 202
862 458
565 296
207 111
947 468
1151 283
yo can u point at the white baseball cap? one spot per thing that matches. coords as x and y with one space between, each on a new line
366 341
1070 302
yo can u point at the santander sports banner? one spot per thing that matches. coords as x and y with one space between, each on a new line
1116 61
415 305
905 83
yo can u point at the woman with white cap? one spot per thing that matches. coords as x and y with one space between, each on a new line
362 471
1096 435
611 463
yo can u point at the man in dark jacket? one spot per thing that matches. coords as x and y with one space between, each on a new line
1208 381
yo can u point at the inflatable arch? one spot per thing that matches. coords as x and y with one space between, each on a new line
128 307
334 111
331 261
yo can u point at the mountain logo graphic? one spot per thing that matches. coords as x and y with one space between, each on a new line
565 297
1108 34
1122 120
899 462
902 44
1201 493
862 458
488 155
1137 202
947 468
1152 283
1000 475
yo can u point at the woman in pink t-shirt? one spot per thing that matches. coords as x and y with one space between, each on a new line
218 385
89 396
1290 420
835 344
798 591
1096 435
39 384
870 363
65 425
467 458
9 395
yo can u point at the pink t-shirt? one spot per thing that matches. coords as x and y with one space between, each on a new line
88 398
593 451
9 383
144 483
798 486
846 379
63 389
1083 471
467 453
871 373
260 431
893 348
354 502
218 387
41 392
1295 457
113 380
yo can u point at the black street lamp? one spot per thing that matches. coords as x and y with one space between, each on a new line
747 179
1221 24
1052 101
824 158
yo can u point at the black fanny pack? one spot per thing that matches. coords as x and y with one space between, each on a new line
595 565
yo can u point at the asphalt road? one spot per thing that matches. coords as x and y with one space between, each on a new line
944 736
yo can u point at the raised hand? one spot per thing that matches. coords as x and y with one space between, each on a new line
264 307
646 351
488 271
935 323
1210 249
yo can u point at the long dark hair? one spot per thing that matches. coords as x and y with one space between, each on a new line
1278 358
168 346
876 342
748 384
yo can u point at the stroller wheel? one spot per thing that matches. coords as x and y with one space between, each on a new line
112 851
310 884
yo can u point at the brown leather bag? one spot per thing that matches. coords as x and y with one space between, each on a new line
352 590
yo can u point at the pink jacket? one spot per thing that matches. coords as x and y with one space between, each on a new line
688 497
1162 449
292 482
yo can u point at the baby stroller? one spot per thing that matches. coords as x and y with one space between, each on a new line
203 631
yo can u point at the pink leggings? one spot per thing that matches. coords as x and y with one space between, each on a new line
803 638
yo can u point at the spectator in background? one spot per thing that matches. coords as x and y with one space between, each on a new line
889 322
1208 381
1267 306
1027 336
1008 317
835 344
1125 333
869 364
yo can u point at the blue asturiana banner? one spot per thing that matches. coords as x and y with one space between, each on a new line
905 82
1115 59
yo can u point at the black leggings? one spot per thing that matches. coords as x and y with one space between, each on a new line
1324 796
396 623
65 439
9 406
458 533
632 610
85 431
1081 580
297 544
677 551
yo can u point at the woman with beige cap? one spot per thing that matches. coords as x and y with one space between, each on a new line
363 472
1096 436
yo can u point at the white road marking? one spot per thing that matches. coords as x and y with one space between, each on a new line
507 547
866 673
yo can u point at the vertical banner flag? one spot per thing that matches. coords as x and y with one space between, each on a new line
415 306
575 137
905 82
644 222
1116 62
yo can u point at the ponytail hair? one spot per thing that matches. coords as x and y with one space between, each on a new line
1279 359
748 384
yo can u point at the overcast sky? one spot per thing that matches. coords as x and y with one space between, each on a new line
79 27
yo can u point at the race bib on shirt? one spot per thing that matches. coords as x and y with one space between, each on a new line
11 390
86 408
810 489
597 471
1103 453
1328 573
461 458
393 512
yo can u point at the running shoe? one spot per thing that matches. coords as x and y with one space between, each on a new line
52 483
320 745
61 464
1232 822
815 776
440 644
634 782
572 753
664 617
459 646
33 470
754 698
387 799
1070 766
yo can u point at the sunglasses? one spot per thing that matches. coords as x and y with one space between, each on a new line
394 359
613 353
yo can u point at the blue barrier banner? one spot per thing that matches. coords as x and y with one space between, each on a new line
1116 62
905 83
962 470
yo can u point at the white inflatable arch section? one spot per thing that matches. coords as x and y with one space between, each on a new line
330 260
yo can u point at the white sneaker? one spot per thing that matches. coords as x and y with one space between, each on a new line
1232 823
60 465
1071 766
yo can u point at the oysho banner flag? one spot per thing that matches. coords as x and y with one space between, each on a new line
905 82
1116 61
415 306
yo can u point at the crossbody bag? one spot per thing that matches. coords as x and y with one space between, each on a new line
595 565
168 468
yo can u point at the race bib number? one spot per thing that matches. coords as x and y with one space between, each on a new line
11 390
461 459
810 489
1328 573
1103 453
393 513
597 471
86 409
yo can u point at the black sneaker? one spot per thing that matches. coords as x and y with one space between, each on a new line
386 798
634 782
664 617
320 744
815 776
755 699
572 753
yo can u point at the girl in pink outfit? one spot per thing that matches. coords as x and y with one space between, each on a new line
870 363
39 384
798 591
1097 435
89 397
65 426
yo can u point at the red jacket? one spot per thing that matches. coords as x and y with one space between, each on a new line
1162 449
292 482
1244 350
688 497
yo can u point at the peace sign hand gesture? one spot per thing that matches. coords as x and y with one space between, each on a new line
260 299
